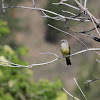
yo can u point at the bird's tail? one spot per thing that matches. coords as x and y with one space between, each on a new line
68 61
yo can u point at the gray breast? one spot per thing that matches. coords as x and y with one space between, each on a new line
64 45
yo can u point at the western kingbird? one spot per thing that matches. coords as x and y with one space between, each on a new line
65 49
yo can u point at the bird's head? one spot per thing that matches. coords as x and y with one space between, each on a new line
63 40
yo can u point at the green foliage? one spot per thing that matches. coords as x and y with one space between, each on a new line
22 50
18 83
45 90
4 28
62 96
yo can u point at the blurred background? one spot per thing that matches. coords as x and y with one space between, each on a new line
24 34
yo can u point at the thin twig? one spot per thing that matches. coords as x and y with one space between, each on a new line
80 89
86 33
69 34
34 4
62 3
83 9
82 33
48 11
85 3
69 12
95 25
3 10
70 94
98 60
89 81
30 66
10 63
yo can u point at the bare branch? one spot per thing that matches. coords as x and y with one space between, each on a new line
10 64
86 33
68 34
96 39
85 3
82 33
70 94
29 66
89 81
34 4
59 16
98 60
80 89
83 9
3 10
82 51
69 12
81 2
95 25
62 3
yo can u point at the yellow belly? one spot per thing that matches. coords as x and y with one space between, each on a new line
65 51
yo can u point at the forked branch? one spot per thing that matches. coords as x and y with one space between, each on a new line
10 64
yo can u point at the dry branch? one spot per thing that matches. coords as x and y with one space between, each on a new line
80 89
70 94
10 64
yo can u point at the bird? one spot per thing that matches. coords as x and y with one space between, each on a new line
65 49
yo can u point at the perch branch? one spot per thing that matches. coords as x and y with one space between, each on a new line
57 57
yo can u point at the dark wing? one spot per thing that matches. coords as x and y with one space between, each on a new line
69 50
